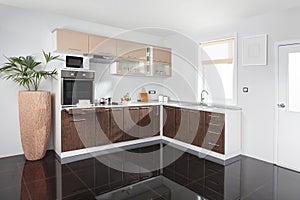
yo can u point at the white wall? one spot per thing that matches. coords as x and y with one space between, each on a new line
26 32
259 104
183 84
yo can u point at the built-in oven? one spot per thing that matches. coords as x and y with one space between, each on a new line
77 85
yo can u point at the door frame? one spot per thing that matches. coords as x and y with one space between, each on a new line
277 45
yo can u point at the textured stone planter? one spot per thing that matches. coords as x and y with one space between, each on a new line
35 120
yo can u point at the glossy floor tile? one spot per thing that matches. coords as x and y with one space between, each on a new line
157 172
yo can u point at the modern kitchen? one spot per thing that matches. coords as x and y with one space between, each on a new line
125 104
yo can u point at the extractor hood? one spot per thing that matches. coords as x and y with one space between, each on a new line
101 59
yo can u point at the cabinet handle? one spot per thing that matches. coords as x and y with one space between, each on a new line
133 108
116 109
214 116
215 133
213 144
72 49
78 120
145 107
212 124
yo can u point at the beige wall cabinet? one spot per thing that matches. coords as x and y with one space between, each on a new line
71 41
162 55
100 45
131 50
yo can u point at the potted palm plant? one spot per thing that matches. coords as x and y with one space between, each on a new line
34 104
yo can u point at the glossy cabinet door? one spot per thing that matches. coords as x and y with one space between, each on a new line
146 123
102 126
131 50
182 125
197 127
131 121
215 132
117 125
71 41
169 121
162 55
155 115
78 129
100 45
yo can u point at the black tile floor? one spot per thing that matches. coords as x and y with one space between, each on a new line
145 173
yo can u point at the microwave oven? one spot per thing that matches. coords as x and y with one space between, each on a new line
76 62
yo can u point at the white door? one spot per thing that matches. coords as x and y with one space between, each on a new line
288 141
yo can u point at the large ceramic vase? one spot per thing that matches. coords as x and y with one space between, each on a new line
35 120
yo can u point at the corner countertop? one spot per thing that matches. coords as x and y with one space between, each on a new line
186 105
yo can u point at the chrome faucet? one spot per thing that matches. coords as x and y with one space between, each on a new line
202 98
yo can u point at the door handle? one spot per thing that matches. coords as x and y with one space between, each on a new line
281 105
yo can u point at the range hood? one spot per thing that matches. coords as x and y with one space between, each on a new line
101 59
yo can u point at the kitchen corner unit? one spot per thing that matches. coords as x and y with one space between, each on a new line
214 132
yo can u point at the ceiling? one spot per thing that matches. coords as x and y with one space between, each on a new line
190 16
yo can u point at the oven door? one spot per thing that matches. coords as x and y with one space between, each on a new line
75 90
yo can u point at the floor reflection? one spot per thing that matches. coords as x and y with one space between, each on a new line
107 177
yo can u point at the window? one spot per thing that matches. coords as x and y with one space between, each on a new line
218 71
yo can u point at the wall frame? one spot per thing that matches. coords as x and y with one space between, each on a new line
254 50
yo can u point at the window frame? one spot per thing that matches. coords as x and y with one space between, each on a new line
201 83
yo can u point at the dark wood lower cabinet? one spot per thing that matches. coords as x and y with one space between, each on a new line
215 132
83 128
182 125
131 120
197 127
169 121
77 129
102 126
116 126
200 128
149 121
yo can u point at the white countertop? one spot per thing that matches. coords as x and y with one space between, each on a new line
185 105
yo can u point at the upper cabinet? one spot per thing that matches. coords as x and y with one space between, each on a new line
71 41
162 55
104 46
131 50
135 59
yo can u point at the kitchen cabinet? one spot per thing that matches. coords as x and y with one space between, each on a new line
131 50
197 127
100 45
116 126
214 132
102 126
71 41
162 55
149 121
77 129
169 121
182 125
131 121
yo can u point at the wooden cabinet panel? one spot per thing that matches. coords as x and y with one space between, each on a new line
146 124
182 125
71 41
131 50
197 127
155 115
116 127
215 130
78 130
102 126
100 45
169 121
162 55
131 120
